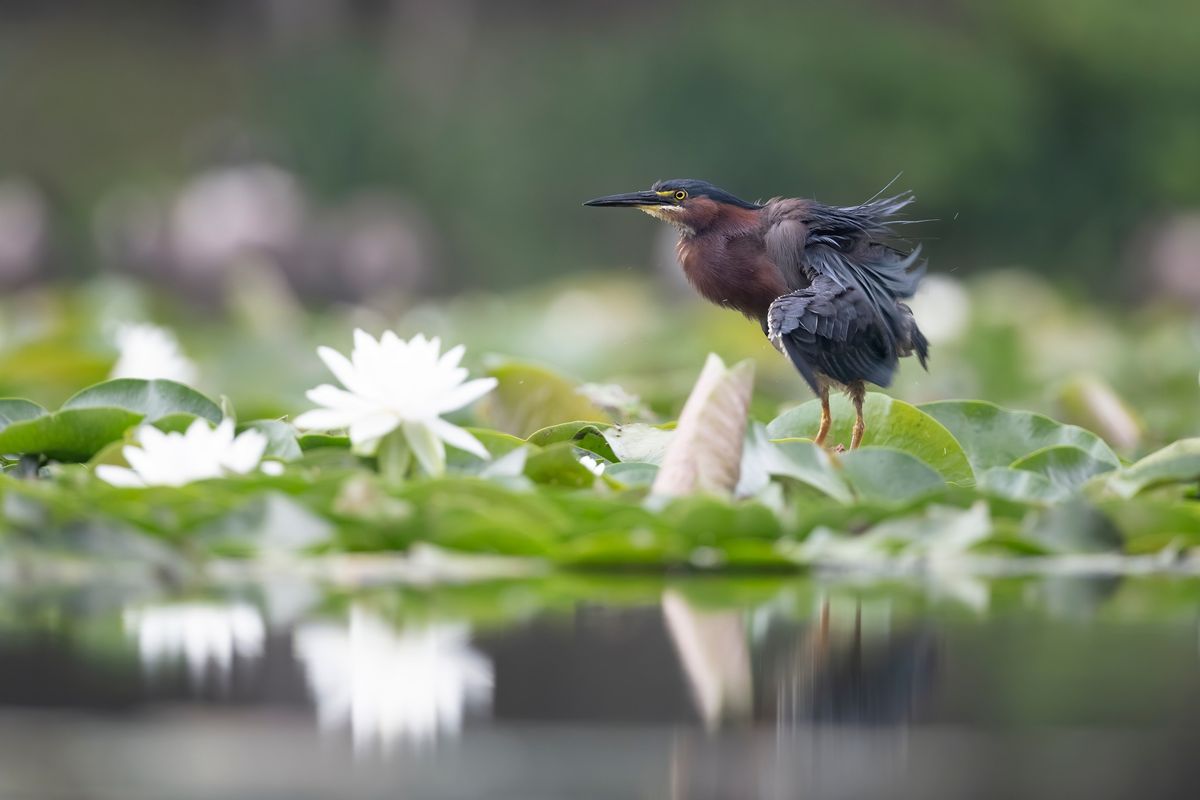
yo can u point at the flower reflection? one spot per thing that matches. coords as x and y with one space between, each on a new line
388 687
203 635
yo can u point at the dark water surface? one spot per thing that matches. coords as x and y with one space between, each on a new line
571 687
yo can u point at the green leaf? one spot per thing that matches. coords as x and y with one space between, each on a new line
151 399
890 423
1175 463
881 474
996 437
13 409
529 398
1150 524
74 434
937 531
707 520
621 548
588 435
1064 465
281 438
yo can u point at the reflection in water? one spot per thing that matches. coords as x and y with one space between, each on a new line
389 687
686 691
715 655
852 665
204 635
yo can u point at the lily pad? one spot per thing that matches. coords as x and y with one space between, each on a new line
1021 485
803 461
882 474
638 442
1175 463
996 437
281 438
73 434
13 409
588 435
151 399
1064 465
632 473
529 398
558 465
890 423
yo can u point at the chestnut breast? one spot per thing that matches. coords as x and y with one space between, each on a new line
732 270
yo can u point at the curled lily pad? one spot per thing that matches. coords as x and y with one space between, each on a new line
890 423
705 451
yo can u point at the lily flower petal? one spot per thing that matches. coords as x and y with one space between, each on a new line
119 476
245 452
374 426
455 436
324 419
468 393
341 367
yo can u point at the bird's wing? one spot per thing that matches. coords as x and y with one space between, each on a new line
851 248
833 330
785 238
849 245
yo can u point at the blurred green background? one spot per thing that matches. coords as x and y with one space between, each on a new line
262 174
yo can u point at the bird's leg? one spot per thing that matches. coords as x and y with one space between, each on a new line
856 395
826 419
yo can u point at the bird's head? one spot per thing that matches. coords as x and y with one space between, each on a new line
687 203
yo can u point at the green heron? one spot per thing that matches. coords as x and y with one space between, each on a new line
825 282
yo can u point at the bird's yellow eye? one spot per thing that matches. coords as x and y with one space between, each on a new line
681 195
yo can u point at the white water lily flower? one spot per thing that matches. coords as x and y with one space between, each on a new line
173 459
392 384
149 352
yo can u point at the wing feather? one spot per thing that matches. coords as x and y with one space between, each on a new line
832 331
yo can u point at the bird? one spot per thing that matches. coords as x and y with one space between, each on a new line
826 283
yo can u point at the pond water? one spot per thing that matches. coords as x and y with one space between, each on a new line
580 687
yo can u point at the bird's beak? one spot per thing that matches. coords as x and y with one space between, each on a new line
631 200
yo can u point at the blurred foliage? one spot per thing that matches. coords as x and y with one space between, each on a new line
1044 133
935 483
